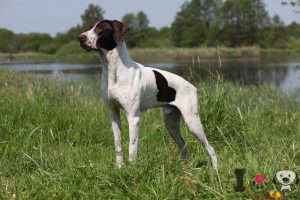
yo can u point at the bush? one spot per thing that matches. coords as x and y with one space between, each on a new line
49 48
73 53
70 48
5 41
35 40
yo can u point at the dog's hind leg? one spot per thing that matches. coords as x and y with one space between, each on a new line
193 122
172 121
189 111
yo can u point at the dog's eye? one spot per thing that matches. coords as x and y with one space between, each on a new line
289 175
280 175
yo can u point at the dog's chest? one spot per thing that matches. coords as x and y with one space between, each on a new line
117 85
109 85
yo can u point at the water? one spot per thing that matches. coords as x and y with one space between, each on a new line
284 74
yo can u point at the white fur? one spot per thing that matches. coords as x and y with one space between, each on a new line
92 37
132 87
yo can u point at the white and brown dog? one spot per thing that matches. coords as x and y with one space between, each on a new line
134 88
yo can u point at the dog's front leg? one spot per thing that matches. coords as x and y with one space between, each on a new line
134 123
114 114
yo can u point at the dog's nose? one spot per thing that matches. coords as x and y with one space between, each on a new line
285 180
82 37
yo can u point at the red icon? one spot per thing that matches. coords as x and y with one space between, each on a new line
259 179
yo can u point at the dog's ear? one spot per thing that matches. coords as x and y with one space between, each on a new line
120 31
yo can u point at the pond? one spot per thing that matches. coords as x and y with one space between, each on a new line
281 73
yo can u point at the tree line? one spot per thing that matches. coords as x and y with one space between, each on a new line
198 23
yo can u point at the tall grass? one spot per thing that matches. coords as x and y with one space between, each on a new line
187 53
56 143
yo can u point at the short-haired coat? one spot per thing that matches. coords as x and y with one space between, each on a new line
133 87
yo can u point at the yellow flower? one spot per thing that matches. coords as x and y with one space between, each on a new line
275 194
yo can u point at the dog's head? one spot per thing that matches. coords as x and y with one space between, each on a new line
105 34
286 177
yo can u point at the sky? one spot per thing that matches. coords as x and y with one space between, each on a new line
54 16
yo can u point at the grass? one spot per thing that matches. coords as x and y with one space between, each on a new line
56 143
188 53
23 56
152 54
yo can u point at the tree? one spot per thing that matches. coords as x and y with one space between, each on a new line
294 29
18 41
211 14
5 41
35 41
277 22
142 21
211 11
188 28
291 2
130 20
275 35
139 29
193 22
91 15
243 22
159 38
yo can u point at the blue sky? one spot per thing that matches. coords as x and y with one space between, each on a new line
53 16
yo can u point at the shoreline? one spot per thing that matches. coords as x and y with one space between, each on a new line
157 54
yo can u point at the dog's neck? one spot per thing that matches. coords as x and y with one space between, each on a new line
116 64
118 56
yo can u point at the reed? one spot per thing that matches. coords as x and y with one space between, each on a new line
75 55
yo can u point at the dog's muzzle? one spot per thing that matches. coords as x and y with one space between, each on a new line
82 39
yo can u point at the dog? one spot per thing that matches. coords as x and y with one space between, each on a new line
133 87
286 179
